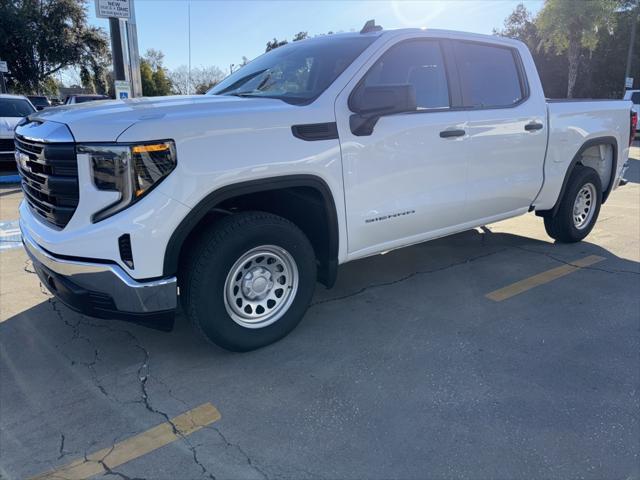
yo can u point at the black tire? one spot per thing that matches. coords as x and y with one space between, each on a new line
561 226
217 251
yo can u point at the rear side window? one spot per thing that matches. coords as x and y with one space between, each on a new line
635 98
489 75
418 63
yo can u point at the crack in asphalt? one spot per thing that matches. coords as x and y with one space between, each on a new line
61 451
239 449
144 374
407 277
77 335
107 469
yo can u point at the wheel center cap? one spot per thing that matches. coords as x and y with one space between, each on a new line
259 285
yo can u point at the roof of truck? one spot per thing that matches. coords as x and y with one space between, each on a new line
431 31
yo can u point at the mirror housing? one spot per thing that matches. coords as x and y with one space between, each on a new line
371 103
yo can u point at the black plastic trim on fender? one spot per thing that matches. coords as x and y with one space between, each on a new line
576 158
197 213
315 131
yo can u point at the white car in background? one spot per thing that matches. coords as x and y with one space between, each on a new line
13 108
634 96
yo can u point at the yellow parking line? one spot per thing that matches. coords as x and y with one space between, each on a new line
541 278
134 447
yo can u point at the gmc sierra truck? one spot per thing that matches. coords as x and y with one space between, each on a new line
314 154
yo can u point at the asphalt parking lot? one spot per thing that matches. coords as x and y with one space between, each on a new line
494 353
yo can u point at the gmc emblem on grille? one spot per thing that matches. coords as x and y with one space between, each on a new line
21 159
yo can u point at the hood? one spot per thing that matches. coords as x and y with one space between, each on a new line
105 120
8 125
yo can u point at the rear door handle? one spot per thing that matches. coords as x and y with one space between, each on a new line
452 133
530 127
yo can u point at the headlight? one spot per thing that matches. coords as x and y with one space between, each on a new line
132 170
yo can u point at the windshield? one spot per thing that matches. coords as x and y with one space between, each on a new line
297 72
15 107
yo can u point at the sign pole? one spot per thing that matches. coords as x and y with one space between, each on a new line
4 68
126 62
116 49
134 54
635 17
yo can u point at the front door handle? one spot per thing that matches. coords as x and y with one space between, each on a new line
452 133
530 127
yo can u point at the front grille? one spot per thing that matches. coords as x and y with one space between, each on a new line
49 174
6 144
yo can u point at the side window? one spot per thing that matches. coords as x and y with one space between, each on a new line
489 75
635 98
415 62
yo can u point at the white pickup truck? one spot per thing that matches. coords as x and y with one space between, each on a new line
314 154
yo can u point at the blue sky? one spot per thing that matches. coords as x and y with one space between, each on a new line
223 31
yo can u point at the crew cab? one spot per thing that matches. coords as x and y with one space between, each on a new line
317 153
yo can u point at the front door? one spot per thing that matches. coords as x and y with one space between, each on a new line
406 181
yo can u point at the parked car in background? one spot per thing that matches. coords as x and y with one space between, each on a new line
39 101
75 99
12 109
634 96
315 154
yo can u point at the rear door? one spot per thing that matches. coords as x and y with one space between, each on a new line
507 129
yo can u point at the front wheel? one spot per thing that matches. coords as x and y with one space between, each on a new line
250 280
579 207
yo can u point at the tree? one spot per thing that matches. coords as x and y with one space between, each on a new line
602 69
275 43
202 79
205 78
300 36
571 25
146 78
41 38
552 66
155 58
153 75
607 64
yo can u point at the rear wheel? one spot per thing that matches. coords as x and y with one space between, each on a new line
579 207
250 280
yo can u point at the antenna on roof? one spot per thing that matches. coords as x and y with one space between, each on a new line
370 26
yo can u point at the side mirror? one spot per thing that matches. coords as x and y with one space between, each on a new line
371 103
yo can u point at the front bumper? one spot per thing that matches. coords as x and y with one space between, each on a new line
104 290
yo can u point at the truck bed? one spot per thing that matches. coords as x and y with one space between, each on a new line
575 127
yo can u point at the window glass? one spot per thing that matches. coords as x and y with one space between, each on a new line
418 63
489 76
635 98
297 72
15 107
